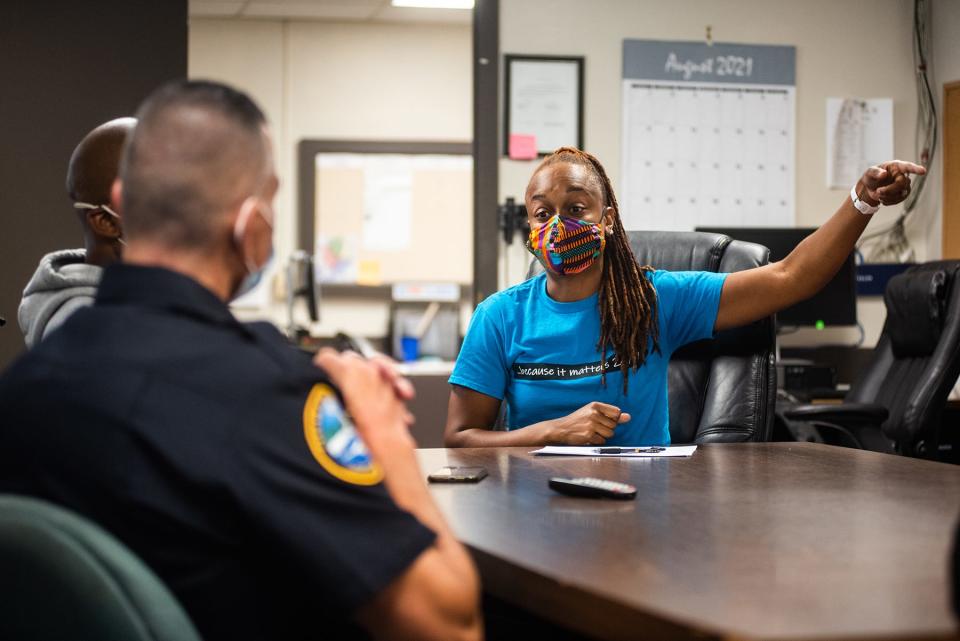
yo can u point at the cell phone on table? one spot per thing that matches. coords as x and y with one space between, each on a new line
453 474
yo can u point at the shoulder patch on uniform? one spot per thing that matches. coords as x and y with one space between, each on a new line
333 440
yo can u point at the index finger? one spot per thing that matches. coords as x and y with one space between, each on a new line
610 411
388 371
873 175
326 355
904 167
331 361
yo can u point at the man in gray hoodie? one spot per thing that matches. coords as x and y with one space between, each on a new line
67 280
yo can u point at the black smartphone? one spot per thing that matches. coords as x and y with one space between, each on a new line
452 474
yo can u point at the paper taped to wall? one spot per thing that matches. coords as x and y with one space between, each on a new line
387 204
859 134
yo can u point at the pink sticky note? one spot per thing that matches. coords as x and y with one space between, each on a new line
522 147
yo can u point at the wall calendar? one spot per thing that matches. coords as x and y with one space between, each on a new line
708 135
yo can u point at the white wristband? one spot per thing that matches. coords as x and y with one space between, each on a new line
864 208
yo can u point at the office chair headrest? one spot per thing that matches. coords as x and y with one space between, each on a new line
916 301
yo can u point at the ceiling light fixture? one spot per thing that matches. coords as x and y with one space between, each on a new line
434 4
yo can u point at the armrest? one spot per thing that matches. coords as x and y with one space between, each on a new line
842 414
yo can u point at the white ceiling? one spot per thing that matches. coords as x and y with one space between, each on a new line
353 10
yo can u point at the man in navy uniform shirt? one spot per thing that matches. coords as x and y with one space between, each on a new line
220 454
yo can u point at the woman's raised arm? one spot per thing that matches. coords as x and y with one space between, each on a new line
753 294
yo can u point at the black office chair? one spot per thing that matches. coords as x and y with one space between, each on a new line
62 577
897 403
721 390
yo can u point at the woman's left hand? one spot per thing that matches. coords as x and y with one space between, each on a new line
887 183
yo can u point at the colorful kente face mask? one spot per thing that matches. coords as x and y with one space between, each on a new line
567 245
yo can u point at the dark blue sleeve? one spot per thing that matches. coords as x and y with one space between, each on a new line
315 501
481 365
689 302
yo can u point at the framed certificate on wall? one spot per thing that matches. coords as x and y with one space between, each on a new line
544 104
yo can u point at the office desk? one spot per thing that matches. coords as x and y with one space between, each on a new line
745 541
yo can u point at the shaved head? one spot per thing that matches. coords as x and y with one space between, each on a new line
96 160
199 149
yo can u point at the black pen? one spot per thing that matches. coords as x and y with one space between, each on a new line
628 450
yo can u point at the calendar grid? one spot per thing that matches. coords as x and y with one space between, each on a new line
698 153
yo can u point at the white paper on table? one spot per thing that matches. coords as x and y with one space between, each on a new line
859 135
570 450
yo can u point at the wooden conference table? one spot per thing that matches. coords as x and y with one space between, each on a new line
745 541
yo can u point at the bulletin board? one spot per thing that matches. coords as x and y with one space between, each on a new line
708 135
378 213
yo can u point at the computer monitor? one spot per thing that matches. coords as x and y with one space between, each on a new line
835 304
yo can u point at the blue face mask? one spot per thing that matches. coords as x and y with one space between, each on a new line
254 273
253 278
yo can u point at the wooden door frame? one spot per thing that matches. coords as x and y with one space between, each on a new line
950 225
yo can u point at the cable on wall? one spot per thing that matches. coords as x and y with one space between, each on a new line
890 244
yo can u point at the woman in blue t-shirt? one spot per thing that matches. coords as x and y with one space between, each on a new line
580 352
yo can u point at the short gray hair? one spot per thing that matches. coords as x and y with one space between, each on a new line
198 150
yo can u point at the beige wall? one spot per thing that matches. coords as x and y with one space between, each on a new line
383 81
848 48
342 81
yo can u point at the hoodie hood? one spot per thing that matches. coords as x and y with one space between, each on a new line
62 284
